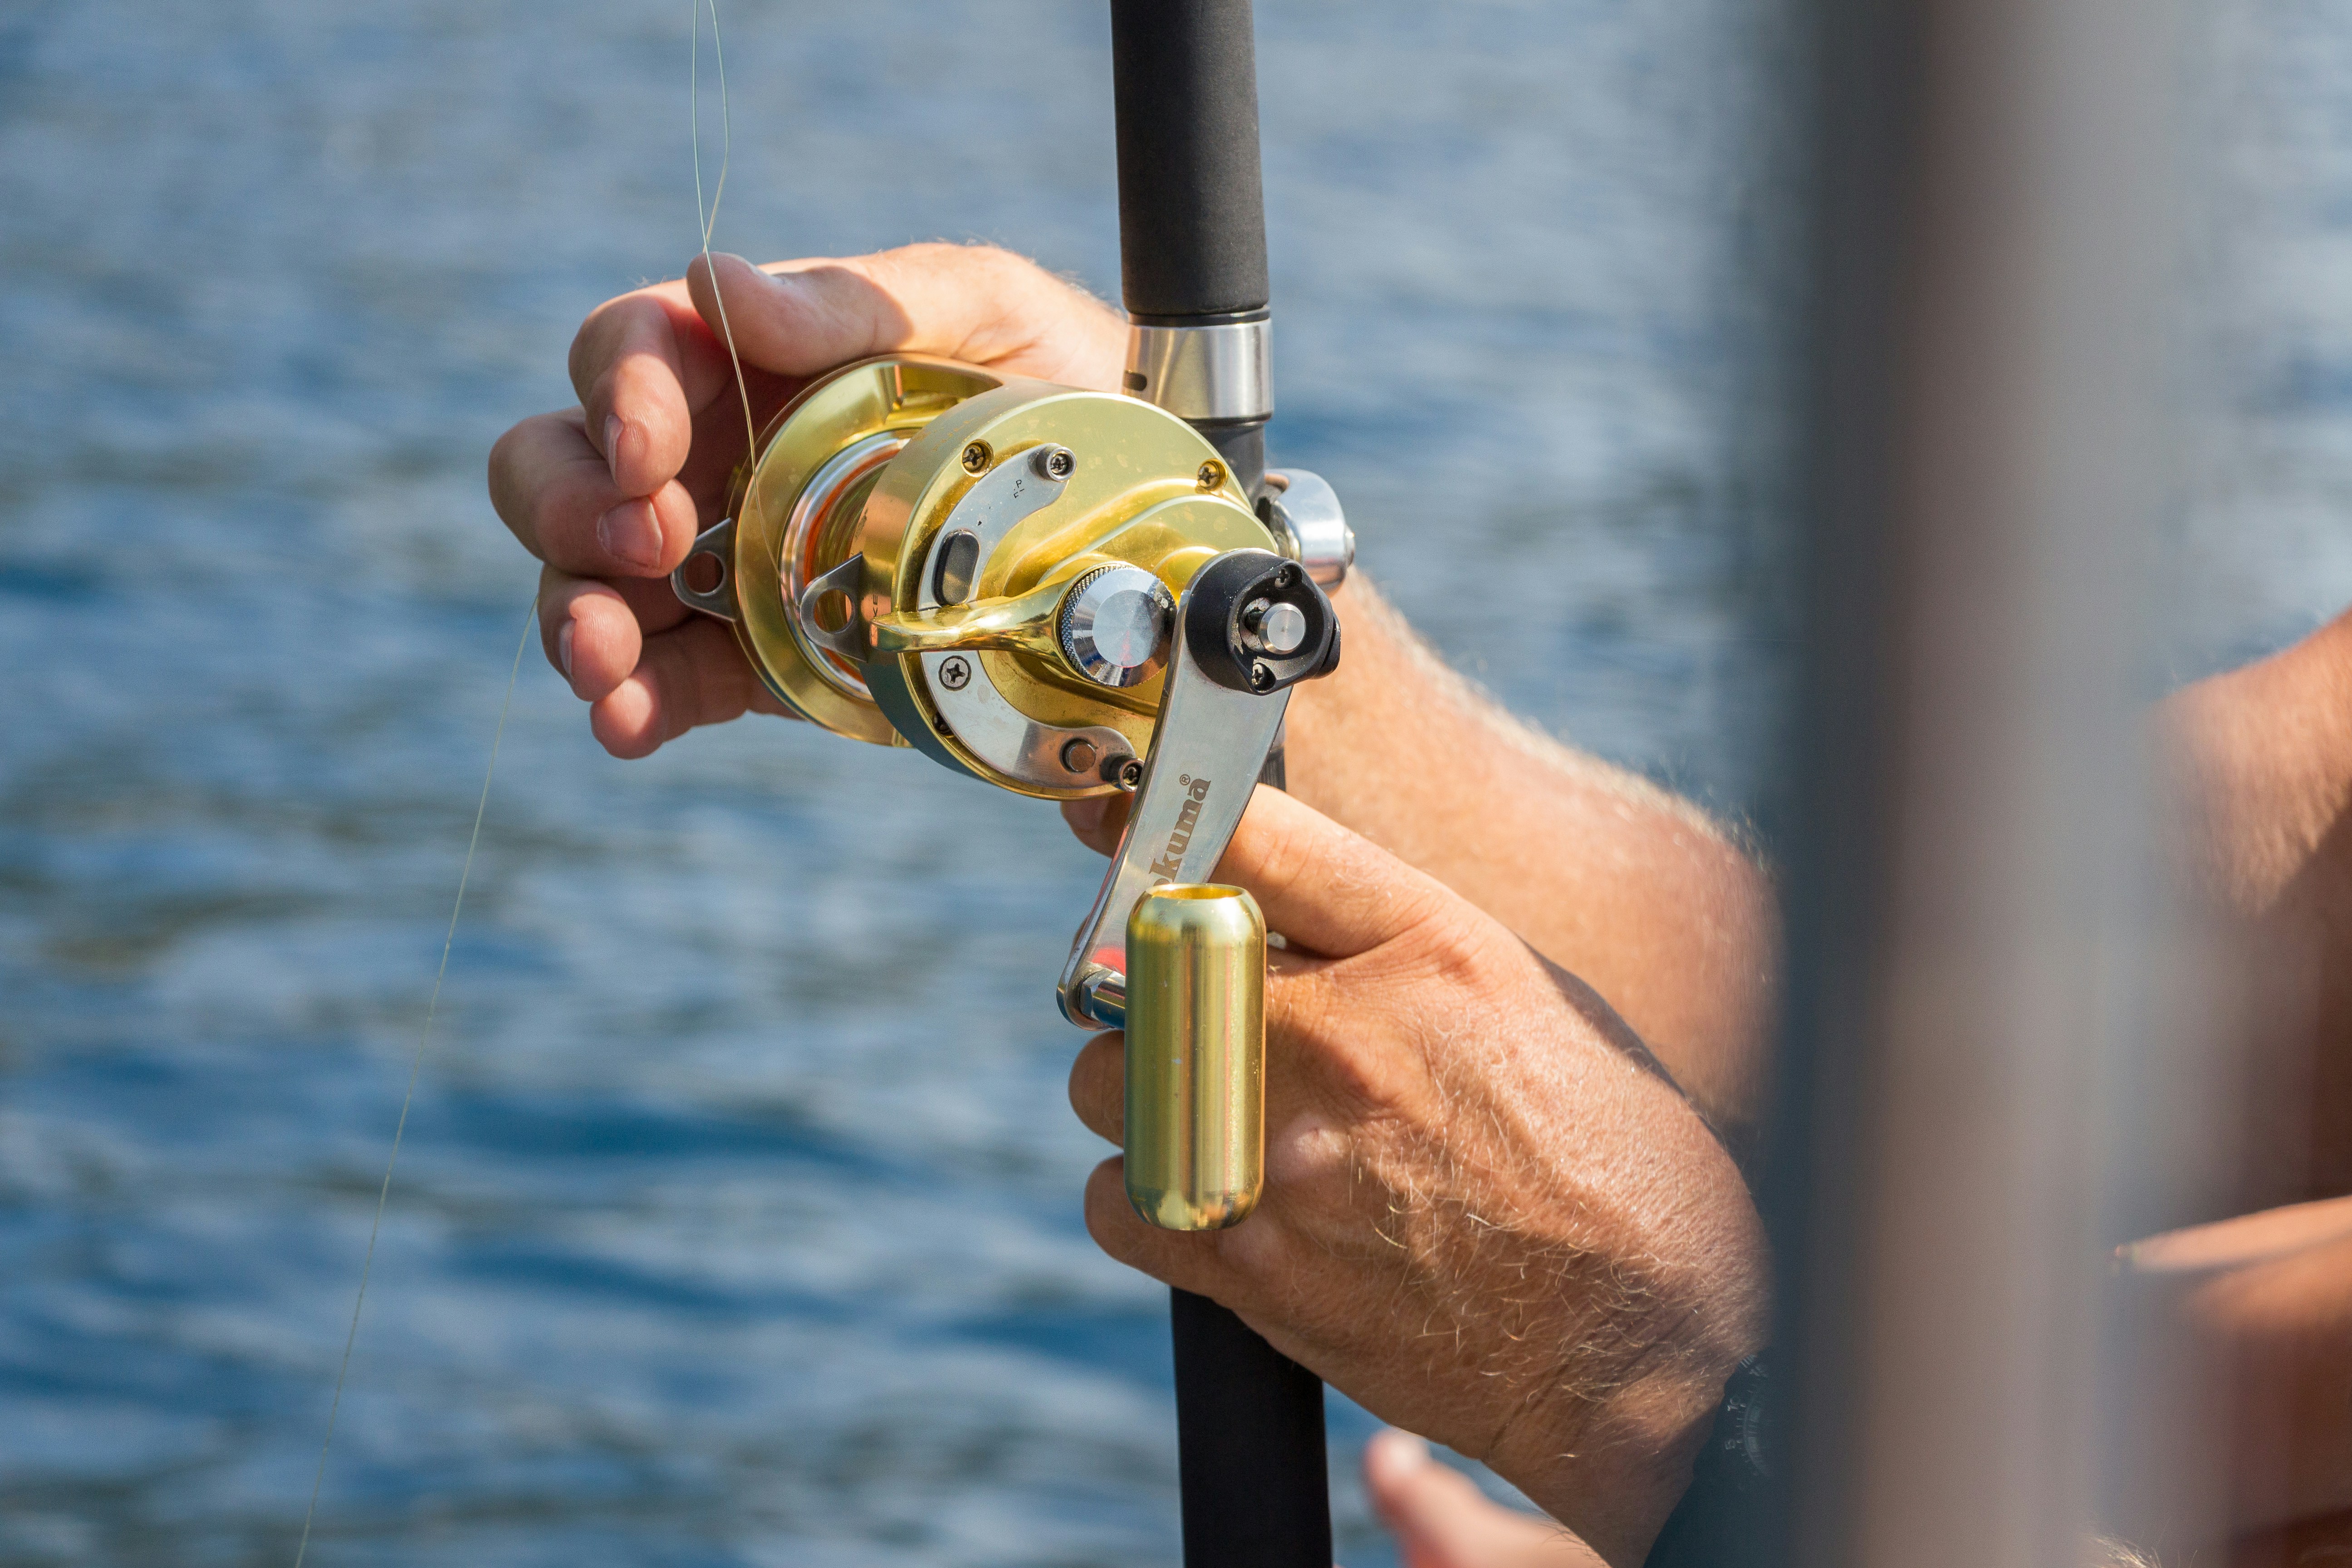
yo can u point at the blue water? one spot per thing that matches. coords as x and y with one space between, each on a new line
738 1218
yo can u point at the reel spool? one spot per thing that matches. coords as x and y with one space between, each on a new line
987 570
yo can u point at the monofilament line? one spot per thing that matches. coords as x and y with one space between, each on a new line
706 219
416 1066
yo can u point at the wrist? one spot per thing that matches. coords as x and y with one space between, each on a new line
1633 1463
1612 1459
1725 1513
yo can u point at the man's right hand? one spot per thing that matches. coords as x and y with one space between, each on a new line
1487 1217
612 493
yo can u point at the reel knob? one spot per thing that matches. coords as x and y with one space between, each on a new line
1195 1022
1115 626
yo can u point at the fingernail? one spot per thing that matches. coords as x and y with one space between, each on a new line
563 647
630 533
614 430
1397 1455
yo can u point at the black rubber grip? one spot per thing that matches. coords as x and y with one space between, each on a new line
1191 211
1249 1436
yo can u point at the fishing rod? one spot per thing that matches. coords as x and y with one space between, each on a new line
1069 594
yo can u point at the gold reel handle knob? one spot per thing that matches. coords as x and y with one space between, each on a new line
1196 1056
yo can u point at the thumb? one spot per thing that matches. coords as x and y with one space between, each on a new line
1442 1520
984 306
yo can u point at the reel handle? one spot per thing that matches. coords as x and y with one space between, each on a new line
1195 1125
1185 975
1249 627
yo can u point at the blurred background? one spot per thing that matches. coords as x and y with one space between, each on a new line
667 1274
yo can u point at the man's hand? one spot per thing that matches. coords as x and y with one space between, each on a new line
610 494
1485 1218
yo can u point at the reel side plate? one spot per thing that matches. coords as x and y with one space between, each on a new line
1141 488
781 544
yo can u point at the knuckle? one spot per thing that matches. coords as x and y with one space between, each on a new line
1259 1261
1311 1159
1004 266
546 509
680 519
514 464
588 344
1109 1220
1346 1034
605 336
1365 1074
1459 950
501 458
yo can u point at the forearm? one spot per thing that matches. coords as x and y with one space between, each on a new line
2256 766
2259 764
1609 877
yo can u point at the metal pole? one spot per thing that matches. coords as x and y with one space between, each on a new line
1256 1491
1983 454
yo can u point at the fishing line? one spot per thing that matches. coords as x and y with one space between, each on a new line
708 220
416 1066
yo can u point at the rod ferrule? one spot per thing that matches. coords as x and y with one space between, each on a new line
1220 374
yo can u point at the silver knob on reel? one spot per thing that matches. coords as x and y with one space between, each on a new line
1115 626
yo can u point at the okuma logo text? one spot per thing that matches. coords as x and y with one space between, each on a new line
1171 860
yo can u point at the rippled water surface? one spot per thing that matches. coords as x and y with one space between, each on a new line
738 1218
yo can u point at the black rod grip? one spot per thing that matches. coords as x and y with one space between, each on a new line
1191 210
1249 1443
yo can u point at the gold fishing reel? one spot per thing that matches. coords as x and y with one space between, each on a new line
985 569
1064 593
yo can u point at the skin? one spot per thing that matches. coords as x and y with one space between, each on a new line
2257 1310
2245 1323
610 494
2244 1351
2262 1307
1484 1218
1435 1066
1631 890
1442 1520
1490 1217
2260 764
1623 884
